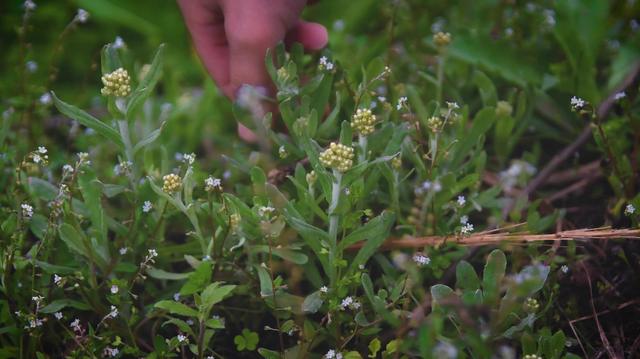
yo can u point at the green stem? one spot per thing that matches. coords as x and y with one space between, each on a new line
334 220
362 142
123 126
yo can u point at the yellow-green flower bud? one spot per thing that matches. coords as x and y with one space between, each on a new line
116 83
363 122
435 124
338 157
503 108
442 39
396 163
531 305
172 183
311 178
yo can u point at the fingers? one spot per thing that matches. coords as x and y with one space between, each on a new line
206 24
311 35
251 29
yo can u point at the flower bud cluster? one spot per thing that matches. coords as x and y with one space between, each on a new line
435 124
363 121
338 157
116 83
442 39
531 305
172 183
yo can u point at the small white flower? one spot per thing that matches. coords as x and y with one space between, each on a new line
549 17
402 102
325 64
349 302
620 95
176 296
331 354
181 338
114 289
112 352
262 211
461 201
464 219
564 268
67 168
113 313
57 279
58 315
426 185
42 150
36 158
27 210
30 5
37 299
147 206
629 209
152 253
206 258
31 66
382 99
34 323
45 99
211 183
118 43
467 228
577 103
437 187
453 105
421 260
82 16
76 325
324 289
189 158
123 251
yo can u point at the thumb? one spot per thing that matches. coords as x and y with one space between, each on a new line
311 35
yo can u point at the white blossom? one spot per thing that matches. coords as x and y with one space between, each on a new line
176 296
332 354
181 338
421 260
57 279
211 183
461 201
67 168
111 352
189 158
82 16
324 289
30 5
629 209
118 43
75 325
564 268
42 150
31 66
577 103
123 251
325 64
147 206
27 210
45 98
620 95
262 211
114 289
349 302
58 315
402 102
467 228
113 313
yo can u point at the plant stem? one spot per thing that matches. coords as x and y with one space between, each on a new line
362 142
334 220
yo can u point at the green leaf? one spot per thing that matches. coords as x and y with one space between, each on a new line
312 302
268 354
214 294
374 239
486 88
266 288
247 341
374 347
110 13
440 293
151 137
88 120
91 193
493 274
374 228
178 308
198 279
162 274
58 304
480 125
73 239
146 86
110 60
466 277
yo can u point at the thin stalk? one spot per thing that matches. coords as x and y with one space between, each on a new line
362 142
334 220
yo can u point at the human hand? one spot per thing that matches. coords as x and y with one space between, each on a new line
232 36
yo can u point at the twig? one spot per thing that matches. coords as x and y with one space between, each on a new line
603 336
487 238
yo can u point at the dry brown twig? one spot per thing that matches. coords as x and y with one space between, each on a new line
491 237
